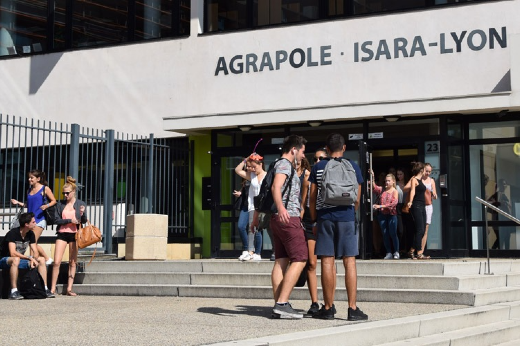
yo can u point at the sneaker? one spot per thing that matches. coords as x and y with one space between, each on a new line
356 315
49 294
256 257
396 255
325 314
315 307
388 256
272 257
244 253
246 257
49 261
286 311
15 296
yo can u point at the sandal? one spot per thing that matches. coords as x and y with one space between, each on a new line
421 256
71 294
411 254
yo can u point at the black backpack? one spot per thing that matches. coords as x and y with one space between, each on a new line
32 285
264 202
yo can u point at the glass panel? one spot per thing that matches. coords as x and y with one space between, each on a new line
455 129
184 14
59 23
455 181
500 237
228 238
434 229
458 238
336 7
225 15
506 129
371 6
99 22
424 127
153 19
23 27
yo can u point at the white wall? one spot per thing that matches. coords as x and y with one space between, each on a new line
132 88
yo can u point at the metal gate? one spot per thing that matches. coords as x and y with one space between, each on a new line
117 174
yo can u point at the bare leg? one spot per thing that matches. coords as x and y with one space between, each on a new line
59 250
289 280
42 269
312 280
351 280
37 234
73 258
328 280
13 270
279 268
424 239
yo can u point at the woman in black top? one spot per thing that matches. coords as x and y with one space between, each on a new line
417 208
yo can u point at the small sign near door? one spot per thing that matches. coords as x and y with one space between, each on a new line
355 136
375 135
431 147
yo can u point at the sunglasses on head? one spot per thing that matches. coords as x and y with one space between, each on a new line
316 159
65 193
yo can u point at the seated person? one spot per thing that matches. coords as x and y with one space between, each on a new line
12 252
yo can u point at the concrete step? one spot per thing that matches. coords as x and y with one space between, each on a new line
247 279
399 331
483 335
515 342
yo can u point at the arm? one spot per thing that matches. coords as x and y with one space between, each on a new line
305 192
14 253
412 191
408 186
434 189
356 205
14 201
241 172
276 190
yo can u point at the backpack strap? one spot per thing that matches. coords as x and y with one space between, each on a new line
288 186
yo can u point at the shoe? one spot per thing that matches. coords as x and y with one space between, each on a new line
256 257
49 261
49 294
15 296
396 255
272 257
388 256
244 253
315 307
356 315
325 314
246 257
286 311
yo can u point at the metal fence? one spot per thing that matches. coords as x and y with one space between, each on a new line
118 174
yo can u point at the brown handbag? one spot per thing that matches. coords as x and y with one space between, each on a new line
88 235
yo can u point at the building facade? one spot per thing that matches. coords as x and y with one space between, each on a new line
434 81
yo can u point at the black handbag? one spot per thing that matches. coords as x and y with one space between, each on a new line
50 213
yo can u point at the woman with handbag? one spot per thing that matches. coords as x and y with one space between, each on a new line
70 215
418 209
39 199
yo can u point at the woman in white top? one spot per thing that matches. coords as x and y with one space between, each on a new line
255 175
429 195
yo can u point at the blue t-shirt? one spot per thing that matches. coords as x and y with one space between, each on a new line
329 212
34 202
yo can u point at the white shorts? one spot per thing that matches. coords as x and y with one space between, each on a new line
42 223
429 213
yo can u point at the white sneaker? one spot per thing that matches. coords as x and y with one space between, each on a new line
396 255
256 257
244 253
247 257
388 256
49 261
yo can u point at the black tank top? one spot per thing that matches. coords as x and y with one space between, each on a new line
420 189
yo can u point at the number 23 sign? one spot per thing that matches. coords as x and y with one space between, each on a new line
431 147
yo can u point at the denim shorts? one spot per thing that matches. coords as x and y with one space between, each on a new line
337 239
42 223
24 264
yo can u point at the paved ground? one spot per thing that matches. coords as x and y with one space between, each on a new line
97 320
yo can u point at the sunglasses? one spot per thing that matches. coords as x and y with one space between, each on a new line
65 193
316 159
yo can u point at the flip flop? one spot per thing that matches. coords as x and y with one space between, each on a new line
71 294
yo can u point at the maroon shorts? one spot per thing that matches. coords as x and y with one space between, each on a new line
289 239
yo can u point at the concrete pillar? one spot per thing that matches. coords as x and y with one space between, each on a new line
146 237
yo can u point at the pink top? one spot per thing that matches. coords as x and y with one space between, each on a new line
387 199
70 227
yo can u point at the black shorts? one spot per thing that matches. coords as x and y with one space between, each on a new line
66 237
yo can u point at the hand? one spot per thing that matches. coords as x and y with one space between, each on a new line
283 216
75 221
237 193
409 204
33 263
376 206
81 210
14 201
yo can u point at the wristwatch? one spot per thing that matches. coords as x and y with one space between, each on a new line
30 257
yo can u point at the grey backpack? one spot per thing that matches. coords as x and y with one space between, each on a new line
339 185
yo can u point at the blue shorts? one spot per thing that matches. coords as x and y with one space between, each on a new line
24 264
337 239
42 223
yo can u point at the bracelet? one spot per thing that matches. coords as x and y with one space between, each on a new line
47 205
314 224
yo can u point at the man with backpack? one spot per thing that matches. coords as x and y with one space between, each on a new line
334 199
291 252
12 254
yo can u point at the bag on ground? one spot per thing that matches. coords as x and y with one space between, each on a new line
32 285
339 185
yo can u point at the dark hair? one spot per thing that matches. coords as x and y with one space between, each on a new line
323 150
305 164
335 142
293 141
25 218
39 174
417 167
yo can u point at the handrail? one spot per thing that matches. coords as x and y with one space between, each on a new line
500 211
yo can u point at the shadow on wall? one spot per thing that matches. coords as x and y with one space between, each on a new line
504 84
41 67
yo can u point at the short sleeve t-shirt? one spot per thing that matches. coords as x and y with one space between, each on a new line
14 236
332 212
283 166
